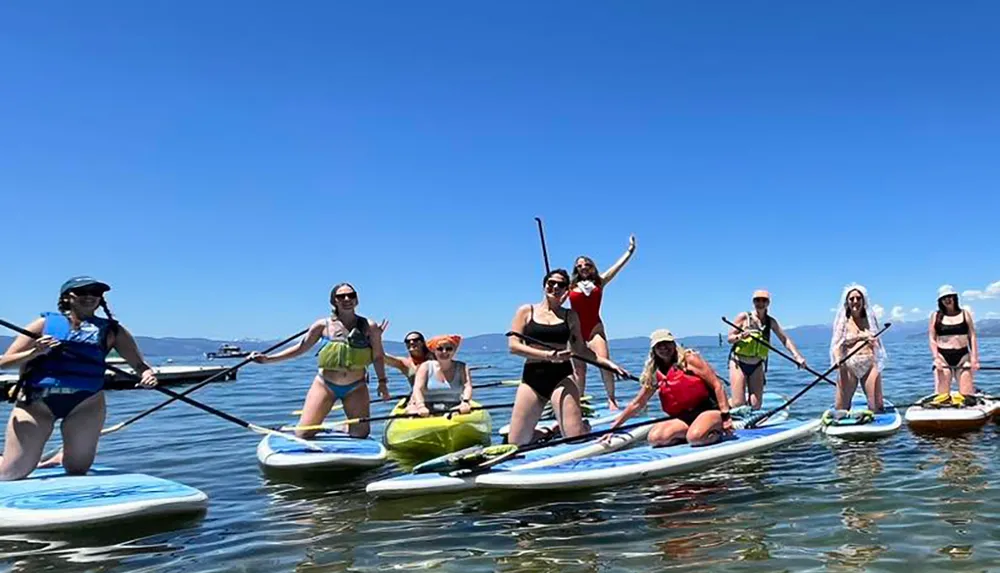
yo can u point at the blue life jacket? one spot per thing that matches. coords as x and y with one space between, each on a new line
61 369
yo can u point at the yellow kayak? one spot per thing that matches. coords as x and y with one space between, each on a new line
437 435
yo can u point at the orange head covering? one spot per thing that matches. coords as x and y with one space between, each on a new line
440 339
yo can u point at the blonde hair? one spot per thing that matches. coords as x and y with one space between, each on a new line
648 376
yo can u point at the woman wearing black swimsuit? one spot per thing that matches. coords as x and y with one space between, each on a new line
952 334
548 374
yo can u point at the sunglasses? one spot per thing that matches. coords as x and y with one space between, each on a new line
413 341
854 299
556 285
445 348
95 292
761 301
346 296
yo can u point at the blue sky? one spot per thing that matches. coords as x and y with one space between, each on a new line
222 164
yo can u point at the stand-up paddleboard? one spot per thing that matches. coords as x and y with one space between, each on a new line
769 401
449 481
51 500
926 416
338 452
646 461
861 423
596 414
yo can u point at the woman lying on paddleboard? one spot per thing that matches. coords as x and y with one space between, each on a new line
548 374
352 343
748 357
854 326
58 385
689 391
417 354
585 296
444 381
954 347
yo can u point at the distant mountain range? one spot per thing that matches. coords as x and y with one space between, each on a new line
802 335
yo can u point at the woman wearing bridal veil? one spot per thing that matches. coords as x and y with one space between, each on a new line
855 325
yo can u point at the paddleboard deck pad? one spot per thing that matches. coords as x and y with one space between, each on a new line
860 422
51 500
646 461
337 451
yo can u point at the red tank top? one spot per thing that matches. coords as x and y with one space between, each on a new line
680 392
588 308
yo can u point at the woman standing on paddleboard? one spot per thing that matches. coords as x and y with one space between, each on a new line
417 353
855 325
585 296
748 357
57 384
352 343
689 391
548 374
954 345
444 380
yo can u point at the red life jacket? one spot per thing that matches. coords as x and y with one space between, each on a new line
680 392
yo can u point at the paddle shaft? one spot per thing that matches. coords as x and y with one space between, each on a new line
782 354
351 421
821 377
132 375
545 251
986 368
537 342
202 384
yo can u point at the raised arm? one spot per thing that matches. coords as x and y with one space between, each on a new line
613 270
24 347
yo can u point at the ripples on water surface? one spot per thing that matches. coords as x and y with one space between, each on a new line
817 504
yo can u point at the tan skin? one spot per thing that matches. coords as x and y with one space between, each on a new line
30 426
943 373
598 339
737 379
320 399
408 365
444 355
858 335
565 398
707 428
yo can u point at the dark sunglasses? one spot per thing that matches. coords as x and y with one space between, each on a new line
445 348
413 341
761 301
855 299
95 292
556 285
346 296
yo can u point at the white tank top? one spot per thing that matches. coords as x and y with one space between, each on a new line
443 390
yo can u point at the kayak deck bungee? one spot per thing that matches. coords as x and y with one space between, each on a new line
455 481
51 500
337 451
925 416
646 461
862 423
436 435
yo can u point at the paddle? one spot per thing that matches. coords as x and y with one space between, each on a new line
474 368
782 354
758 419
171 393
398 397
351 421
986 368
545 252
537 342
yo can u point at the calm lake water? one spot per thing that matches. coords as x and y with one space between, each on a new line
890 505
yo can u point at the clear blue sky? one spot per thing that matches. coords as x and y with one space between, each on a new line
223 163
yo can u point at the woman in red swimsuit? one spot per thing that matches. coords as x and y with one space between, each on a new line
586 291
690 392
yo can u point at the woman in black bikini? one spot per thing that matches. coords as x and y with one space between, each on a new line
548 374
952 334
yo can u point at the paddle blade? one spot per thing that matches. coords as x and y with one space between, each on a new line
464 459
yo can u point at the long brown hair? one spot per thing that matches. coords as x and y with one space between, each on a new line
576 272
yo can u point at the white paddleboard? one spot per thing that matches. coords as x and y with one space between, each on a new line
885 423
51 500
951 419
646 461
337 451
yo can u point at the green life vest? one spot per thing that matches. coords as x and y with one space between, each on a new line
346 350
752 347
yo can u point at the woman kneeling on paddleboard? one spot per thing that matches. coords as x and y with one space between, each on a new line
62 377
443 381
689 390
417 353
548 374
854 326
952 334
586 292
352 343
